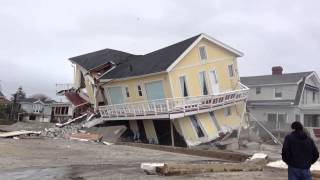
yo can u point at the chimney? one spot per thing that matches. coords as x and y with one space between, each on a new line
277 70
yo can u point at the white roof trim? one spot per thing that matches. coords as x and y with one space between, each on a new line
315 75
278 84
219 43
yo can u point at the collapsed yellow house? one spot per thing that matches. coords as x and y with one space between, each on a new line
185 94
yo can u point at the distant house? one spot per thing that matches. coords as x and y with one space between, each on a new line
280 99
35 109
186 93
3 99
61 111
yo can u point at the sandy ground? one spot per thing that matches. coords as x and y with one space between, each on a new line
64 159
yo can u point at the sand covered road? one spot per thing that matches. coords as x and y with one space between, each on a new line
65 159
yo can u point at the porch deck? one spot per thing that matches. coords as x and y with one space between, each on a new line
172 108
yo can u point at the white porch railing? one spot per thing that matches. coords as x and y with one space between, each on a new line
172 108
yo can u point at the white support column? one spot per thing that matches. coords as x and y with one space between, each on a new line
172 133
241 121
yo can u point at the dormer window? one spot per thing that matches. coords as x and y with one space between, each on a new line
258 90
277 93
203 53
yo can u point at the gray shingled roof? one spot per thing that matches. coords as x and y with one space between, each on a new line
274 79
32 100
157 61
134 65
97 58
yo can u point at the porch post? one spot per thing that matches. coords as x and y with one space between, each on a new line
172 135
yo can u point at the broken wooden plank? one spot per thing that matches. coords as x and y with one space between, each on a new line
71 121
179 169
18 133
93 122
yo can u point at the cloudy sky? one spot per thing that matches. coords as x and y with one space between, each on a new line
38 36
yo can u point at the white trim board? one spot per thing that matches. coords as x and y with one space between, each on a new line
214 41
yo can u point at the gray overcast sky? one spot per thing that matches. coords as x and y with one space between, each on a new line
38 36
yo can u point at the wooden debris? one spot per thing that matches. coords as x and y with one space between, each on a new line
71 121
179 169
86 137
18 133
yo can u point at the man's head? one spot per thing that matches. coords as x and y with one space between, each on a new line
297 126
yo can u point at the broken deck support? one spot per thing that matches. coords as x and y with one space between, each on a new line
218 154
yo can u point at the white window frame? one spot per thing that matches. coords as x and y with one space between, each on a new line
205 81
187 88
201 126
297 115
314 97
141 89
260 90
126 90
274 94
205 51
108 94
229 72
277 118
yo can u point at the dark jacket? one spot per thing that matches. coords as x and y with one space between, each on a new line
299 150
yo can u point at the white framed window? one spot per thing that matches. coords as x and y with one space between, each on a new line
277 121
214 120
203 53
197 126
277 92
139 88
227 111
203 83
231 70
183 86
297 118
258 90
127 91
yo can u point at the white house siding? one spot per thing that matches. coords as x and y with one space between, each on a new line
268 92
28 108
261 113
307 97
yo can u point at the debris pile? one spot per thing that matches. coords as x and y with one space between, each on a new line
64 132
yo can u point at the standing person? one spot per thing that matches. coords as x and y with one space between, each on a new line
299 152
